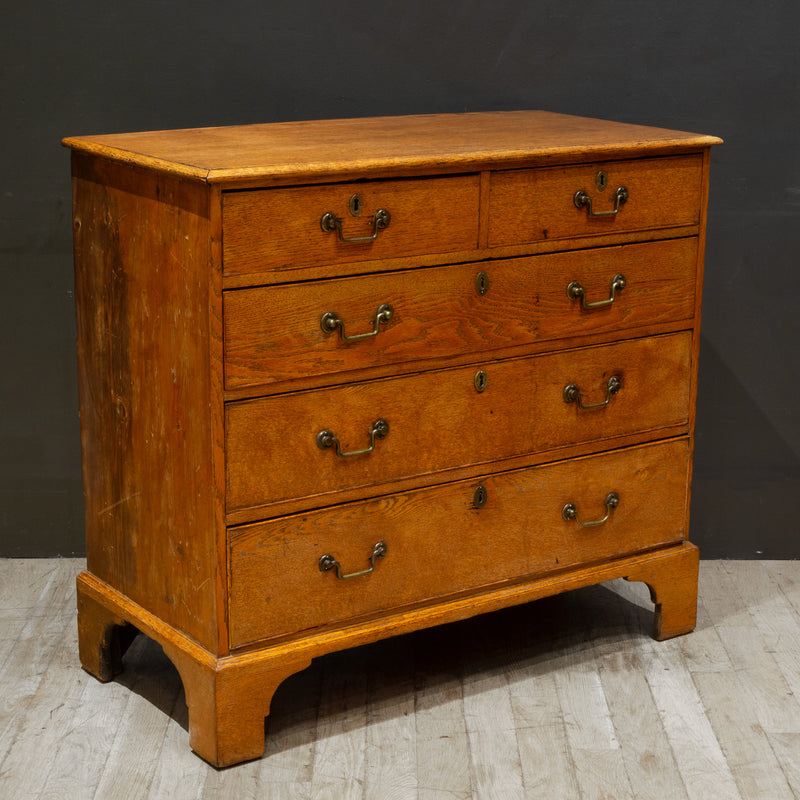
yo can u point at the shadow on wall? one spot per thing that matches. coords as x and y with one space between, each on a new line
745 472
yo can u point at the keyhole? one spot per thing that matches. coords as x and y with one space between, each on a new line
481 283
481 380
356 205
480 497
601 181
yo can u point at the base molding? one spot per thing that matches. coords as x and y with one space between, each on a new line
229 697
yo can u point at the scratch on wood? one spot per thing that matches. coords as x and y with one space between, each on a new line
118 503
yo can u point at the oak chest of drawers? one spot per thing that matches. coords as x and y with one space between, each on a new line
343 380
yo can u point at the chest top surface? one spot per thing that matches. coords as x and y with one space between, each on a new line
437 143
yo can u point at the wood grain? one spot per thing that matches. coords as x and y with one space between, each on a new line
332 149
144 365
342 269
642 742
281 230
200 412
747 749
228 698
391 746
519 532
442 763
341 735
531 205
527 649
142 729
438 421
273 334
495 767
697 750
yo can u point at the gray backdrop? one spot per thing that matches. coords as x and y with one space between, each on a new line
723 67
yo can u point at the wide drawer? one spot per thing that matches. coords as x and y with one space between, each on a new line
282 229
282 447
280 333
437 541
540 204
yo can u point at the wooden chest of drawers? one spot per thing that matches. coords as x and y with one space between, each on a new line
348 379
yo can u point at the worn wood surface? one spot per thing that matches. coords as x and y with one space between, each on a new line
148 345
531 205
331 149
281 229
672 719
273 335
173 454
228 698
438 421
520 531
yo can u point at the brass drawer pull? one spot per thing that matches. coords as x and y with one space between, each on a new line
570 512
582 199
575 290
572 393
328 562
331 321
379 430
330 222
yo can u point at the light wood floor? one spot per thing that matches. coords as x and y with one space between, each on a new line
564 698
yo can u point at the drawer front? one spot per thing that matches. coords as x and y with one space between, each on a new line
539 204
437 542
280 333
439 420
281 229
658 286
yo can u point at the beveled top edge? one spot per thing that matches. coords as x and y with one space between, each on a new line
371 145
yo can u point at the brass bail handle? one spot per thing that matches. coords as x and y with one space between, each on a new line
570 512
582 199
330 222
575 291
379 430
572 393
331 321
328 562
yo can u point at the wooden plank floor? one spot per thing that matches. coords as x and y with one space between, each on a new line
567 697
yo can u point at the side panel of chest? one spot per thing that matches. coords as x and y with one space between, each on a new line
147 339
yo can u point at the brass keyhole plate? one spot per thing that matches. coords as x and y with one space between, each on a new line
601 181
356 205
480 497
481 380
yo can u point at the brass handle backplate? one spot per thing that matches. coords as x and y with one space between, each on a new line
575 291
328 562
331 321
582 199
570 512
330 222
572 393
379 430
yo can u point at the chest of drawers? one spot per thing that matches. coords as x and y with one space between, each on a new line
344 380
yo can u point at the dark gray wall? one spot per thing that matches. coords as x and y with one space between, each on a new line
722 67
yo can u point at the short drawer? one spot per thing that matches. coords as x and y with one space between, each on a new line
452 538
301 330
282 229
540 204
283 447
